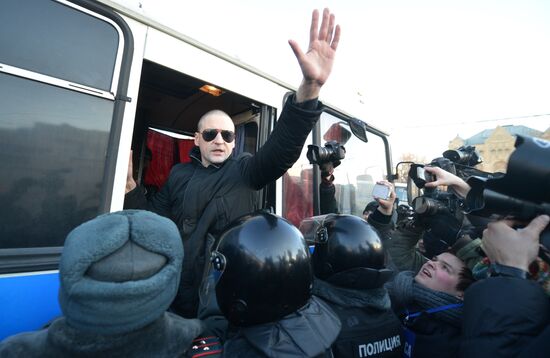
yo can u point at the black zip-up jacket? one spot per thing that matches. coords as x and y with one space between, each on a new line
506 317
202 200
308 332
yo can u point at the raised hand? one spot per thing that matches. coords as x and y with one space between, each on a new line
316 63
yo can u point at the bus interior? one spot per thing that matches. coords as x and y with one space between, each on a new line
169 107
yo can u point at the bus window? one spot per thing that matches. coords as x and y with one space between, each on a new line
298 189
66 44
59 66
53 158
363 165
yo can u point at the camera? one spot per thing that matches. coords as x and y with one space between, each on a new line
436 203
419 175
433 201
465 155
436 214
332 152
522 193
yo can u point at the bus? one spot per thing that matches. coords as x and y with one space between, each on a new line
85 82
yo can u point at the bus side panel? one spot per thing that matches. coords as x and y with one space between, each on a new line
27 302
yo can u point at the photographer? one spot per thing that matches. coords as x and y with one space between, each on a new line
517 324
441 232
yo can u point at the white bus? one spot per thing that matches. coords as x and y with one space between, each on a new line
84 82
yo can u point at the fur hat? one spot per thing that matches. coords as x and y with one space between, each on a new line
120 271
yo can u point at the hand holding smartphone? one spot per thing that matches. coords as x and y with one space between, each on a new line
381 191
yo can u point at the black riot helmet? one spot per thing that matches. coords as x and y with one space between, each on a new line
348 251
263 269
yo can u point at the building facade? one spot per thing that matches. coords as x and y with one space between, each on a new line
496 145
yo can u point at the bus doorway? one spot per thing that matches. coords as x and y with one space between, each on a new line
169 107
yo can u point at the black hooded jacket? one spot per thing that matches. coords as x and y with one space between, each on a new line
309 332
202 200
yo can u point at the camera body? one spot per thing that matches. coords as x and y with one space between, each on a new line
332 152
433 201
419 175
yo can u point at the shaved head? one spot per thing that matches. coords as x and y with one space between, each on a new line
213 113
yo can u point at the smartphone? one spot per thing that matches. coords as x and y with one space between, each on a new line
381 191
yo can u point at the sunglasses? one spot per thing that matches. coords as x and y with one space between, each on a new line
209 135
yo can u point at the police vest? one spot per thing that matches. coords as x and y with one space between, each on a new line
367 332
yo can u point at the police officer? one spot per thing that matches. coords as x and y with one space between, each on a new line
348 262
263 287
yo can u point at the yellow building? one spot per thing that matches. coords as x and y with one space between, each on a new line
496 145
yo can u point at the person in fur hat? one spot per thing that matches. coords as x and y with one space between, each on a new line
119 273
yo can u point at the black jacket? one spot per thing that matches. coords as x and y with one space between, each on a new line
369 326
205 200
506 317
309 332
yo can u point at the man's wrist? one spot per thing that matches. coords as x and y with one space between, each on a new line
497 269
307 91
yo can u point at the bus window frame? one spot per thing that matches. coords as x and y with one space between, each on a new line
317 141
15 260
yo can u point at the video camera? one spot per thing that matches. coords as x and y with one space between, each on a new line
433 201
332 152
436 213
522 193
465 155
